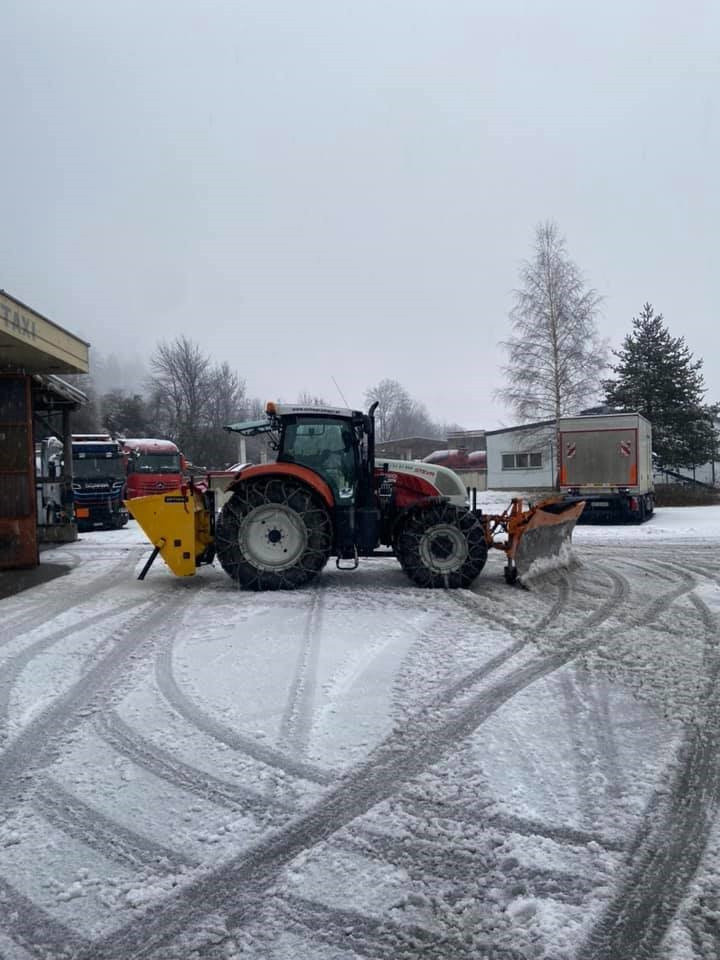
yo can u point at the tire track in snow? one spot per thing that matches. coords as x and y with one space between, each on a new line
35 930
577 724
297 718
471 605
74 595
417 856
406 753
380 939
671 841
564 835
79 820
603 732
426 808
700 920
596 696
422 857
44 735
648 568
163 764
490 666
586 719
243 743
476 605
44 738
14 666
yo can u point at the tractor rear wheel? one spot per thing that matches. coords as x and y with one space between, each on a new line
273 534
441 546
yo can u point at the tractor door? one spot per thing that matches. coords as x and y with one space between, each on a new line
328 447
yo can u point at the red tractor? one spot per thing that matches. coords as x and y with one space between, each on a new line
326 495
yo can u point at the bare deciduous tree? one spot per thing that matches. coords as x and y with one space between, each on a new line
392 398
399 415
555 356
194 399
179 382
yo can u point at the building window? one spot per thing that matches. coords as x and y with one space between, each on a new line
522 461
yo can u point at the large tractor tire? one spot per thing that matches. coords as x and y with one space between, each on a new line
273 534
441 546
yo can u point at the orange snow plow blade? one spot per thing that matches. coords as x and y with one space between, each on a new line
539 539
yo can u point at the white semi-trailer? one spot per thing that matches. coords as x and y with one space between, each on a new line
607 459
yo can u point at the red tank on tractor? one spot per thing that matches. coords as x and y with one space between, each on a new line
326 496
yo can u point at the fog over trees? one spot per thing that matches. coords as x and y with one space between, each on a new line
186 396
556 361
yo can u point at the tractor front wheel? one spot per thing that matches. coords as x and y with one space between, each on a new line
273 534
441 546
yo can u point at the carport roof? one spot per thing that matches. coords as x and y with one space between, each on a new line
34 344
52 392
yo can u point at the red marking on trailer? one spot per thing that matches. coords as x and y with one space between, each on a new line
571 450
625 448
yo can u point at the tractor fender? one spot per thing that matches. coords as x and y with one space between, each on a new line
308 476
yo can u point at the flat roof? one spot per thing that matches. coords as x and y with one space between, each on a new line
31 342
379 443
522 426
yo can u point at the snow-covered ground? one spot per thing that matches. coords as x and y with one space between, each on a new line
365 769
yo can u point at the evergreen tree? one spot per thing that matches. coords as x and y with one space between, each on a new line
658 377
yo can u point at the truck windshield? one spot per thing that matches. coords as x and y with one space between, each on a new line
85 466
155 463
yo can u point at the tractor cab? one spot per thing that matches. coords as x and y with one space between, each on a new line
329 446
334 442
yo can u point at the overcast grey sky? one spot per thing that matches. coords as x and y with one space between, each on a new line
341 189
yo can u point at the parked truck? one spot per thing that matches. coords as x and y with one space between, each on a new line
98 482
152 466
607 460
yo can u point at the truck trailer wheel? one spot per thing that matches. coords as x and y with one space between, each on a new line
273 534
441 546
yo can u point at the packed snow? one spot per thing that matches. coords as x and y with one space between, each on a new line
362 768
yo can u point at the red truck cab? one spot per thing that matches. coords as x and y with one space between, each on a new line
152 466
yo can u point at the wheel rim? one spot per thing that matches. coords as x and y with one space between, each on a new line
273 537
443 548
